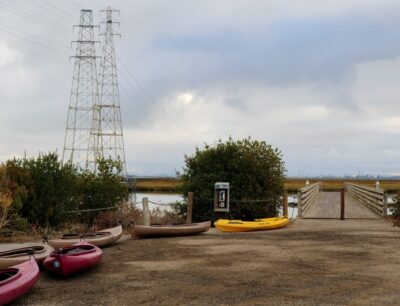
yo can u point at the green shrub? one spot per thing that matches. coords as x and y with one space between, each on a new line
254 169
102 190
44 188
44 191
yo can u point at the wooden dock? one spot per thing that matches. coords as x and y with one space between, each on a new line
327 206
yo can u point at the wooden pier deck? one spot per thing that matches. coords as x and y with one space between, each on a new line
327 206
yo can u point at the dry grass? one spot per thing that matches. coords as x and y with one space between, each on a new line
167 184
128 217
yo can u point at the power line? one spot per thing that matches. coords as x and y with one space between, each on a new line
31 19
136 50
36 9
43 20
144 115
31 40
75 4
155 118
38 55
140 67
151 96
34 36
60 11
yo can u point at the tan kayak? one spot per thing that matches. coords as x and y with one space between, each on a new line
17 255
142 231
101 238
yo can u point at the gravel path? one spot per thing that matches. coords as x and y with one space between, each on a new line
311 262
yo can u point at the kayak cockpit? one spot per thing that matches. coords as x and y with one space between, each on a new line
87 235
75 250
23 251
8 275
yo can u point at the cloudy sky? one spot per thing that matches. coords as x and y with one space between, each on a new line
320 80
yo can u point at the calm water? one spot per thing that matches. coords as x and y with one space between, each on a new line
155 197
166 198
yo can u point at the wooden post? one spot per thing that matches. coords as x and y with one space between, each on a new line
342 204
285 204
146 211
385 199
189 208
299 213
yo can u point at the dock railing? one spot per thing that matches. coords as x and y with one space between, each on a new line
373 198
307 196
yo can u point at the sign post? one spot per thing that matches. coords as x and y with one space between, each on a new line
221 197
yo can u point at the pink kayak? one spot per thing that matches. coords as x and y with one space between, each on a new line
72 259
17 280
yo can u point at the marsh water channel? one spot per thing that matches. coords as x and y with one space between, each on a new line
162 200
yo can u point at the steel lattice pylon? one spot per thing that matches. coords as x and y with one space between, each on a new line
107 120
79 147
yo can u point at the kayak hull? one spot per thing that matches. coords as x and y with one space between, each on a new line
17 255
23 278
70 260
247 226
142 231
100 239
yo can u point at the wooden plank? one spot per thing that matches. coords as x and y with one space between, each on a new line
355 209
328 206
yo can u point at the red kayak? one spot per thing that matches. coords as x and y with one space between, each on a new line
72 259
17 280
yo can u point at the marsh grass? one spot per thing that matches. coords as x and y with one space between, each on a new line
291 184
166 184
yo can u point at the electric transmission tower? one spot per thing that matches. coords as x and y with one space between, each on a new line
80 146
107 123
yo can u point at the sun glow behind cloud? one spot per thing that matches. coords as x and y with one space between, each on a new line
7 55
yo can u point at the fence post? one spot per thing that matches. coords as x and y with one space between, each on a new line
342 204
299 213
189 208
146 211
285 204
385 200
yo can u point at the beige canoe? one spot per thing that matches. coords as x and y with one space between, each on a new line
142 231
16 255
101 238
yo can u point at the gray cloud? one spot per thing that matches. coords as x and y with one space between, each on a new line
320 82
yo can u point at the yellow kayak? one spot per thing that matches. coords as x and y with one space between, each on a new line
246 226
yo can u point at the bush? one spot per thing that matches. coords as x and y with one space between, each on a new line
254 169
103 190
179 208
43 190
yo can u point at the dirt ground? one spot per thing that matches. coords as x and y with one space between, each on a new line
311 262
